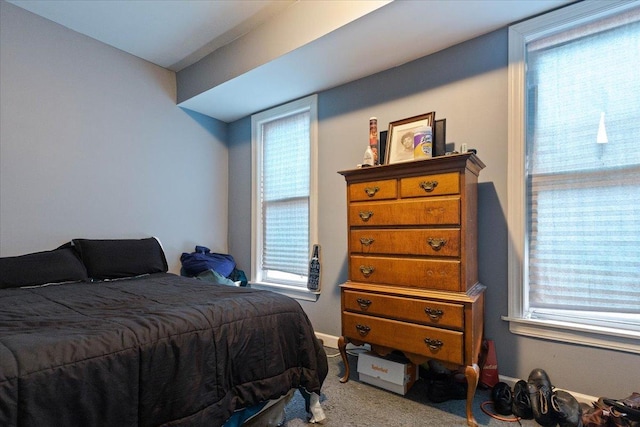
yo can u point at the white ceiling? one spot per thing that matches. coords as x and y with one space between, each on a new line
165 32
177 33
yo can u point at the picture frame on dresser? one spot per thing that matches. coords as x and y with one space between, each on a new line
440 138
399 147
382 146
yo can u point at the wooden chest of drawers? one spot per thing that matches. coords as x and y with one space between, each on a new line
413 281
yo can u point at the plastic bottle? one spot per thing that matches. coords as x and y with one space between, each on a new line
423 143
368 157
373 138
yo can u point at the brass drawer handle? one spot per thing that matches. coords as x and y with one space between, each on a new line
434 345
364 303
436 243
371 191
363 330
434 314
366 241
365 215
366 270
428 186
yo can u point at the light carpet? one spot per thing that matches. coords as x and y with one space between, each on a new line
357 404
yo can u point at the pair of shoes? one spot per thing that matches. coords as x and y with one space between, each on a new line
521 405
567 409
441 384
502 398
551 407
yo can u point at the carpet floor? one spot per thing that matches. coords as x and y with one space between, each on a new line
357 404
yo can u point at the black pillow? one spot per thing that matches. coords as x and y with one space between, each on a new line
118 258
60 265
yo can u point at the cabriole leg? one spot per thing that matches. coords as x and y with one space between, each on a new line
471 373
342 346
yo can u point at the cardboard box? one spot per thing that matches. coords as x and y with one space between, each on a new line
393 373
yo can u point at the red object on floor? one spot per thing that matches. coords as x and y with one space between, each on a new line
489 367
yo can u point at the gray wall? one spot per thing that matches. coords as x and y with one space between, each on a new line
467 85
93 145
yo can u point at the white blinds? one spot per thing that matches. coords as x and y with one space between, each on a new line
584 196
285 194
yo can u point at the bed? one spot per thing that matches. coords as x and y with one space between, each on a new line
97 333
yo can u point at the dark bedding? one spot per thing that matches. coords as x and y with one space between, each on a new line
155 350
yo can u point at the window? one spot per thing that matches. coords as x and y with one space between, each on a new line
284 197
574 175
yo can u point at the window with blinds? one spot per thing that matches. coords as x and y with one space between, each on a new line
583 170
580 106
283 231
285 196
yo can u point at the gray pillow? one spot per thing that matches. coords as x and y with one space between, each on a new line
59 265
118 258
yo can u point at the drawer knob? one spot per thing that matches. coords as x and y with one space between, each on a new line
434 345
364 303
363 330
366 241
366 270
434 314
371 191
428 186
365 215
436 243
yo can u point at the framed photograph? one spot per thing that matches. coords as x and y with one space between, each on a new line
400 137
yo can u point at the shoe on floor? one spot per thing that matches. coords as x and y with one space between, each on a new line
437 370
628 407
594 415
442 385
540 390
521 405
441 390
567 409
502 398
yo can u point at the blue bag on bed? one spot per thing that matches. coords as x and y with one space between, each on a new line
203 259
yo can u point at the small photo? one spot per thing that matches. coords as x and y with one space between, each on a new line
400 141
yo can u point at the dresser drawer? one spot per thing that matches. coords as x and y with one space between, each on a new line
424 340
430 185
443 242
374 190
413 272
436 211
425 312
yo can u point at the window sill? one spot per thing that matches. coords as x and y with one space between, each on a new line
295 292
610 339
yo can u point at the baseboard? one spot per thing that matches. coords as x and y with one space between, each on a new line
328 340
332 342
